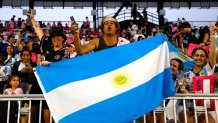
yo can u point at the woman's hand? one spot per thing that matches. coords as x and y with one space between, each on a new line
201 45
183 86
24 70
45 63
30 14
213 30
29 68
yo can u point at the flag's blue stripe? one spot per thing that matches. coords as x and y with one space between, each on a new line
217 42
188 65
129 105
95 64
172 48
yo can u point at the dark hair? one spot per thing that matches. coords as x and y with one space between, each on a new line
185 25
57 32
2 37
9 80
196 49
12 48
10 36
3 54
139 38
148 32
21 53
181 66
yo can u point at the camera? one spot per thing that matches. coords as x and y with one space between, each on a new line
30 10
72 19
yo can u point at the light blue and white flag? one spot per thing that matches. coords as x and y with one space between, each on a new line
115 85
175 53
217 42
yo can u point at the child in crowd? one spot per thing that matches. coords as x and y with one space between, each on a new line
13 86
71 50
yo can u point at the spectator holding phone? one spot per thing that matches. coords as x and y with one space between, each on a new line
110 28
196 36
30 43
53 49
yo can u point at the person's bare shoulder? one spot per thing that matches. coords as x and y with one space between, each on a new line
94 41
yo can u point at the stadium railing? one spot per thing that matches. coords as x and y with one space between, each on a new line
168 107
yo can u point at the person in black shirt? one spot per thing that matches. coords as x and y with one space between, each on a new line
53 49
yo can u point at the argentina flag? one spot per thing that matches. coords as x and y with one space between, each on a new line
217 42
115 85
175 53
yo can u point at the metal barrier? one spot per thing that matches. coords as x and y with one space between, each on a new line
11 100
168 110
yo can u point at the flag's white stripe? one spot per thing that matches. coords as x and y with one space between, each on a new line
101 87
206 90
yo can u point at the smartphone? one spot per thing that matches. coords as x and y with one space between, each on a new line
24 11
29 10
180 76
72 19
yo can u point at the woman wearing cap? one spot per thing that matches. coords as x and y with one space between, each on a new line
71 49
53 49
110 28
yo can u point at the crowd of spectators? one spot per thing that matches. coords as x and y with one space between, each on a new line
21 50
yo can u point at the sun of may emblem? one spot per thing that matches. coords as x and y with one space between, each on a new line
120 80
183 56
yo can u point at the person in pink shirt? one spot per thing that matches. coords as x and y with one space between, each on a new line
11 26
13 86
54 25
